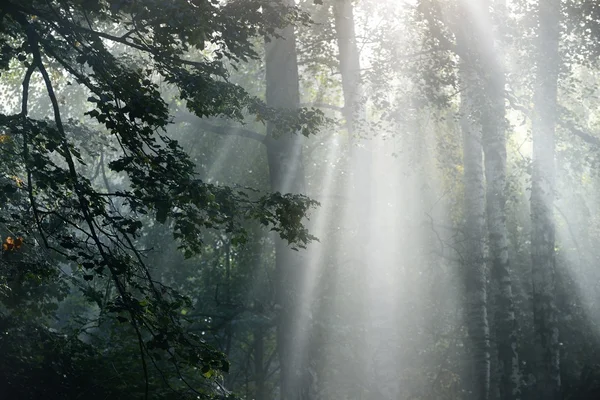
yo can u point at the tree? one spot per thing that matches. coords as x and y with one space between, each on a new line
474 268
97 230
284 153
359 161
493 124
547 351
474 264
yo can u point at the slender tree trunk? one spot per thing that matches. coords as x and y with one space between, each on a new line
493 123
349 63
228 298
494 144
474 209
475 275
542 201
259 364
284 155
360 162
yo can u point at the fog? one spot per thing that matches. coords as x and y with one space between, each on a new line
300 200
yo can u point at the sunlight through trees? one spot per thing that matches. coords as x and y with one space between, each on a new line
300 199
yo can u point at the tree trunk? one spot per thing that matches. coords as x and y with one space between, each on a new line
360 163
542 201
474 209
349 63
284 155
259 364
493 123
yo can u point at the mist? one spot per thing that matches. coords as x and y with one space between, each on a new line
300 200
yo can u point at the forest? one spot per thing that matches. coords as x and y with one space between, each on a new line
300 199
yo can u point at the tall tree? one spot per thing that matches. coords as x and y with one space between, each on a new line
493 124
349 63
284 153
547 361
359 209
474 208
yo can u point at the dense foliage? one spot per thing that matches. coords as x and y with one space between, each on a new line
80 234
299 200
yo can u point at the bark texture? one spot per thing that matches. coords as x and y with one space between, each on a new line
284 155
493 123
349 63
474 269
505 323
542 202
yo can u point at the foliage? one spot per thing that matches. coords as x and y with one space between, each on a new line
138 236
50 199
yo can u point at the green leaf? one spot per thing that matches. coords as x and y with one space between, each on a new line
162 211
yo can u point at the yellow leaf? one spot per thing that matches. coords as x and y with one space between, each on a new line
17 180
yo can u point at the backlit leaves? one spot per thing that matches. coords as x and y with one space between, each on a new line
50 183
11 244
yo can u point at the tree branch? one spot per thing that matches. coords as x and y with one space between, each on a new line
224 130
574 129
231 131
24 112
566 124
33 39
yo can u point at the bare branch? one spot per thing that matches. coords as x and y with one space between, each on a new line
231 131
574 129
564 123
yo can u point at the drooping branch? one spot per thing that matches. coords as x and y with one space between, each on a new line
90 31
127 102
33 40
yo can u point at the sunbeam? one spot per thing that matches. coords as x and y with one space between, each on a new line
300 199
